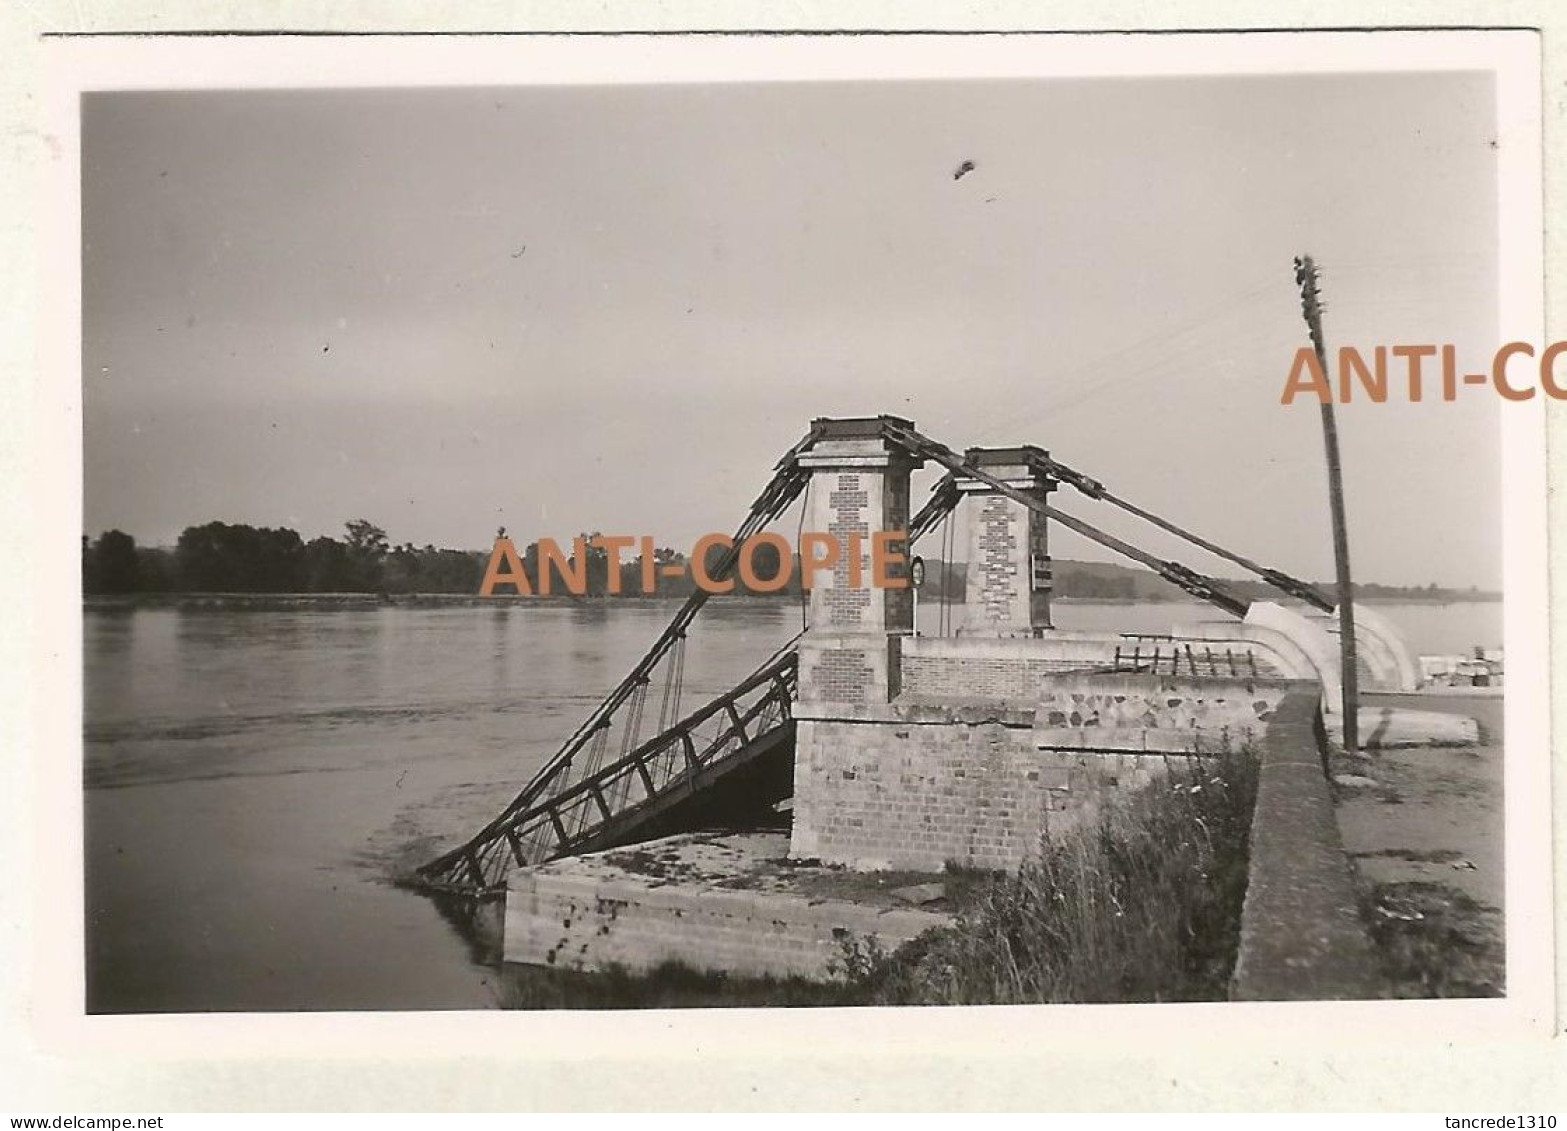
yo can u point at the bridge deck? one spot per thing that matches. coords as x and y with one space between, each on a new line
729 760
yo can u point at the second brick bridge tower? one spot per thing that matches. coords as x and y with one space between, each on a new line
1007 590
917 751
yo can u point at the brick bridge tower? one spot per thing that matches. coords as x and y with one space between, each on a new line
1009 583
859 486
918 751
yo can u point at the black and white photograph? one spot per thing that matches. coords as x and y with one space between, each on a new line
1039 529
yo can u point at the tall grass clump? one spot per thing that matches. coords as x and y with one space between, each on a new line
1139 901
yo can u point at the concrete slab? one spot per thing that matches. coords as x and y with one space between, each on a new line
728 902
918 894
1385 726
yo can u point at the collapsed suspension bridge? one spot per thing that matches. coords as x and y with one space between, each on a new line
729 760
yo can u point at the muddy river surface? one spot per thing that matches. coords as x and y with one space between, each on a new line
253 777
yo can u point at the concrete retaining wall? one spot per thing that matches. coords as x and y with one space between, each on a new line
1302 936
586 913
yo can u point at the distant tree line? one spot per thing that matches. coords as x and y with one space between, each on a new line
220 557
1435 594
1093 586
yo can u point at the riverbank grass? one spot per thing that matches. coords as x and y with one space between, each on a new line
1139 903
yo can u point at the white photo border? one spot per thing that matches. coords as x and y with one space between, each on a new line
88 64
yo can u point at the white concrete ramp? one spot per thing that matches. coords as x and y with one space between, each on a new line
1298 646
1384 656
1386 728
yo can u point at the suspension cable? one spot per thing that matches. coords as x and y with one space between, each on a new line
944 617
799 534
1294 587
1179 575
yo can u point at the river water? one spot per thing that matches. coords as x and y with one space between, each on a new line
253 777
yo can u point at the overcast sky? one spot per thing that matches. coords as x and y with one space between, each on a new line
612 308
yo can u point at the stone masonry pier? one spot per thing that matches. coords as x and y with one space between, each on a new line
974 778
916 752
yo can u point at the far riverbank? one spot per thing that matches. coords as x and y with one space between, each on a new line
282 601
273 602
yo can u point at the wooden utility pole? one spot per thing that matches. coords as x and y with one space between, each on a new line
1311 306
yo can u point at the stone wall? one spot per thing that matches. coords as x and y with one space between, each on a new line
1014 675
977 785
871 795
1154 713
722 905
942 668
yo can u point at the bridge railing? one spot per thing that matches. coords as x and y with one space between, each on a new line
616 792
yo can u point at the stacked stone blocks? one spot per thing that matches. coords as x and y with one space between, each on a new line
925 787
